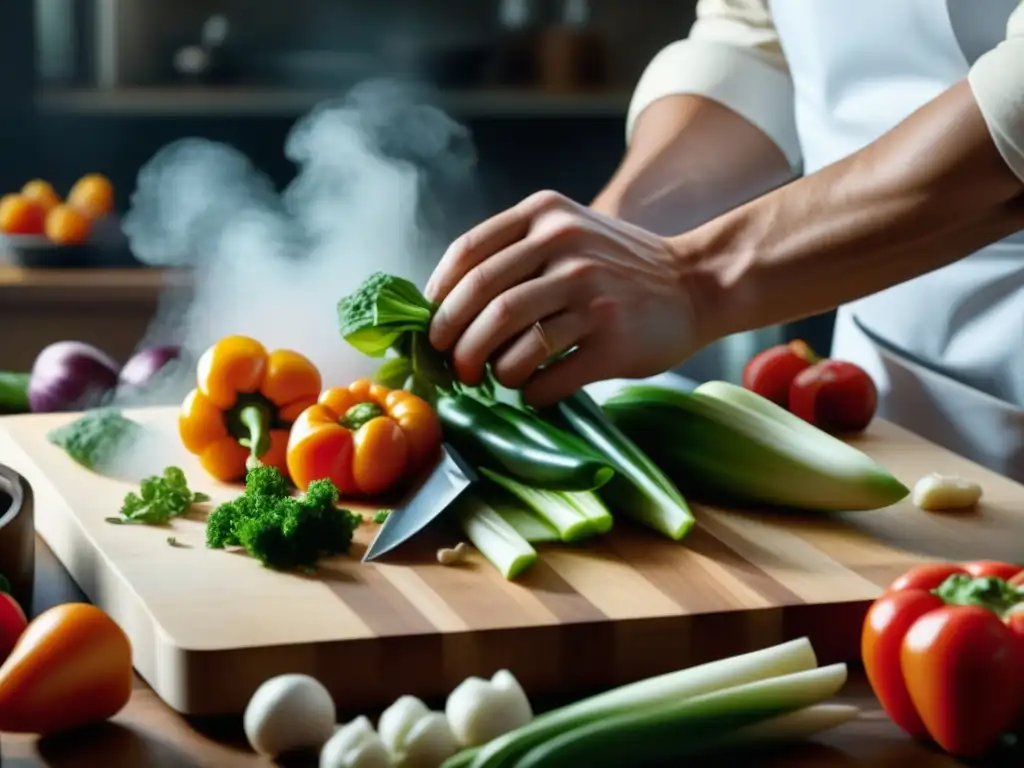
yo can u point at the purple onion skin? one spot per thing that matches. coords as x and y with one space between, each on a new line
70 376
145 364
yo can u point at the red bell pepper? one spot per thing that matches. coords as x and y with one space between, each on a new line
943 649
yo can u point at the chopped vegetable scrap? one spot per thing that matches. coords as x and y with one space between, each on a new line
381 515
279 530
241 411
159 499
96 438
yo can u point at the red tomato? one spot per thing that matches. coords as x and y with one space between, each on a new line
835 396
964 669
770 372
885 626
12 624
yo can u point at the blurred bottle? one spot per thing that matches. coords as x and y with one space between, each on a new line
572 53
516 61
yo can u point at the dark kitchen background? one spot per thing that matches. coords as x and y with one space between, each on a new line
543 86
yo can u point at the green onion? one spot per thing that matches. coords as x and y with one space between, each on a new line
496 540
558 508
779 660
685 727
639 488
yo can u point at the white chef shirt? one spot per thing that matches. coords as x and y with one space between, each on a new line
733 56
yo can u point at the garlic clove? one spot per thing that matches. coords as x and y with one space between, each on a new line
289 713
479 710
519 711
355 745
429 742
936 492
397 720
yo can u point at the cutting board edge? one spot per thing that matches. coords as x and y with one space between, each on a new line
218 683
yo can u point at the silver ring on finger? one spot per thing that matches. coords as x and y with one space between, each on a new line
542 337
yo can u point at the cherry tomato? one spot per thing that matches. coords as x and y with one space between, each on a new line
771 372
835 396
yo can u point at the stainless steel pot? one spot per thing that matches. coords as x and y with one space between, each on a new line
17 535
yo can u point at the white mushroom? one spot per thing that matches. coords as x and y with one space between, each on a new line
289 713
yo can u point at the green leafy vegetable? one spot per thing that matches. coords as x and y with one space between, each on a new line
5 585
96 438
381 515
14 392
279 530
383 309
159 499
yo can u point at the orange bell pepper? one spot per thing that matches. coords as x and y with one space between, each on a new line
365 438
242 408
71 667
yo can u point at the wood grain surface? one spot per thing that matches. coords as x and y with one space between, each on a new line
148 734
209 626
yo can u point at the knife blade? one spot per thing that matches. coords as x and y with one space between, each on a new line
445 483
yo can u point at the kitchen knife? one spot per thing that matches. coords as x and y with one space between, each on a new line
446 482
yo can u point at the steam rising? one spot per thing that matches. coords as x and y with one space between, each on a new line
384 182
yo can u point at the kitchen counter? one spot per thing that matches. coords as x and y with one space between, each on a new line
147 734
110 308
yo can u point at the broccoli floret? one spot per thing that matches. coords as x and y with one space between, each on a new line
380 311
279 530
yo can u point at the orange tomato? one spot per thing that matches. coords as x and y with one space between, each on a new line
12 624
21 216
71 667
68 226
42 193
93 195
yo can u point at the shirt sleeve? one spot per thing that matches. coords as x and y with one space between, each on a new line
732 56
997 81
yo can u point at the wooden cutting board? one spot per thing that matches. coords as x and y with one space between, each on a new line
209 626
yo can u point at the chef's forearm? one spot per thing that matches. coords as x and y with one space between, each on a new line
689 160
929 192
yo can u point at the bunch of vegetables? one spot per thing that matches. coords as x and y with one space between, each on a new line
943 648
557 475
753 700
835 395
72 376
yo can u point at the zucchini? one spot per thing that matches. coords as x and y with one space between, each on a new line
721 440
490 440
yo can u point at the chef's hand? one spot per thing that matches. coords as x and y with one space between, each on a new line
548 275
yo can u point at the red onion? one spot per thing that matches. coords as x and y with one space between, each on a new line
70 376
146 363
